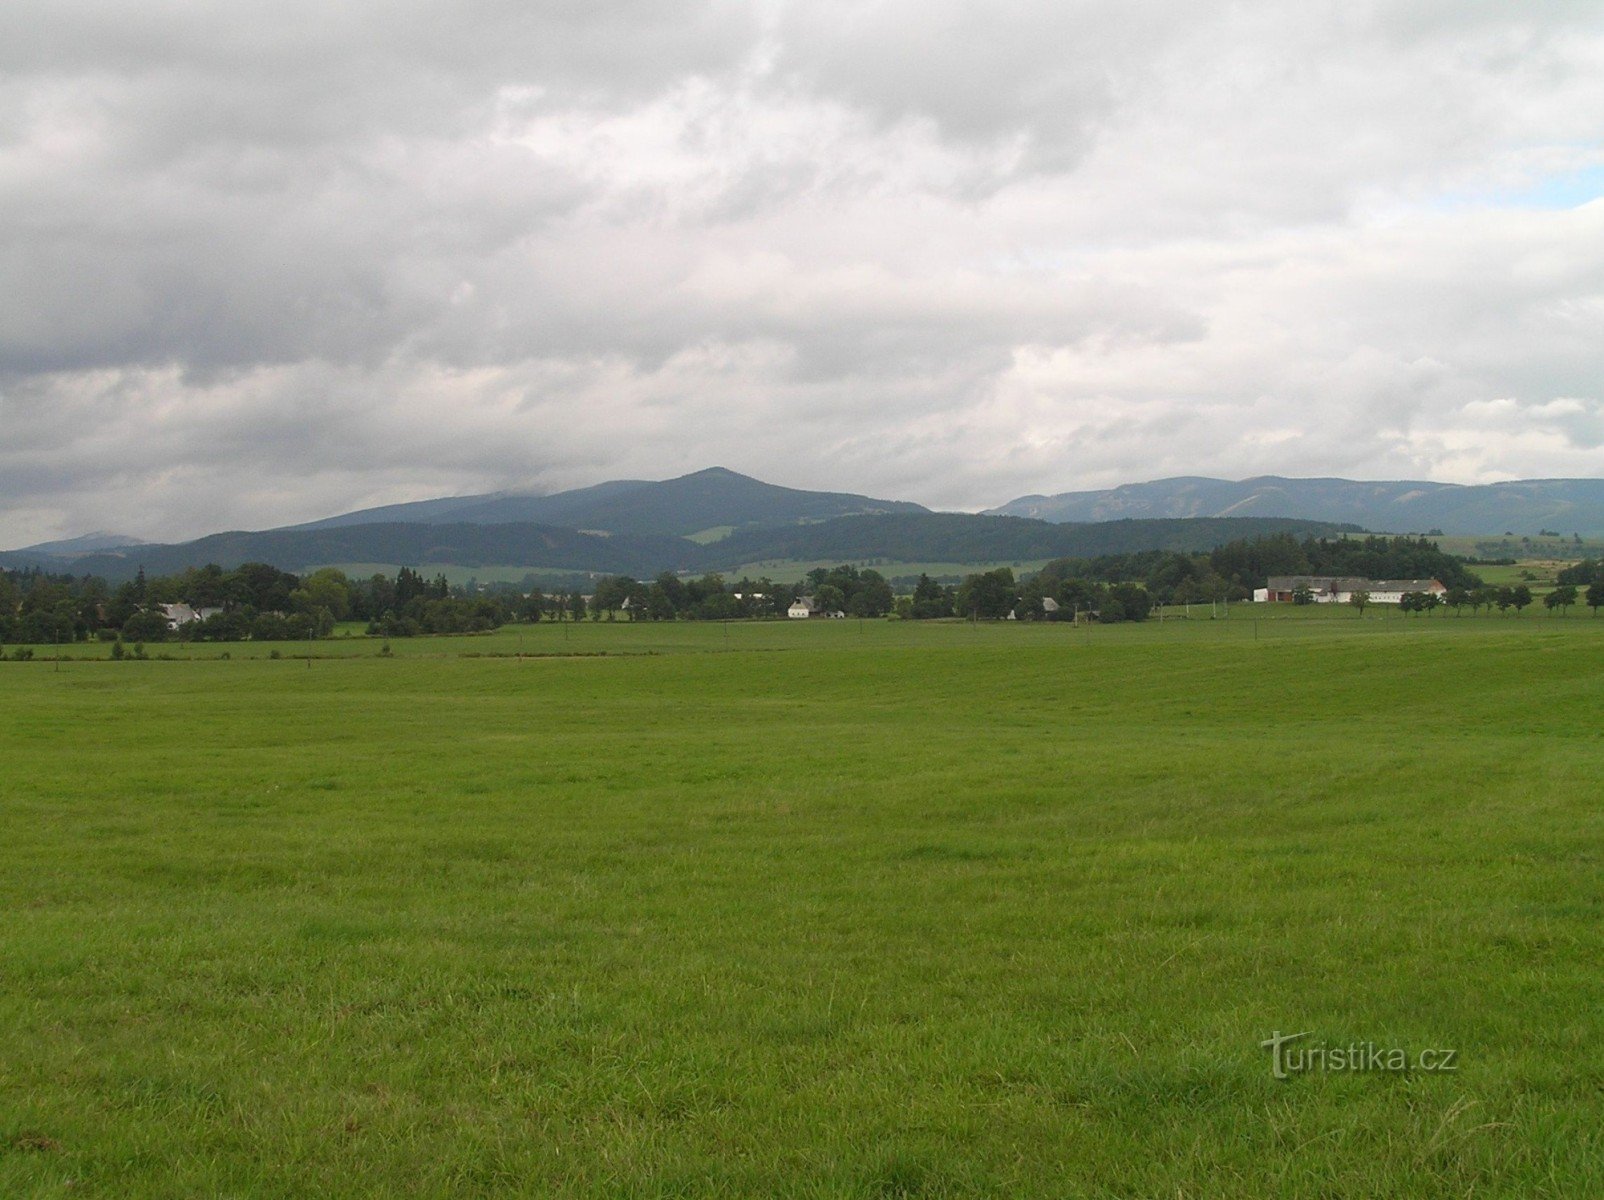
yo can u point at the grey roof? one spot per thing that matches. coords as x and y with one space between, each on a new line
1336 583
1291 583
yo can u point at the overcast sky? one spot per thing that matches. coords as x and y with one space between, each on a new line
262 262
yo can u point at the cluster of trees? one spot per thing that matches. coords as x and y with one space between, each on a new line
1246 564
1458 598
854 591
1503 599
1582 574
254 601
997 594
36 607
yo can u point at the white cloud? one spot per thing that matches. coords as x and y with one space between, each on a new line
264 263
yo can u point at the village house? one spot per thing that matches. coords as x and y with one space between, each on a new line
183 614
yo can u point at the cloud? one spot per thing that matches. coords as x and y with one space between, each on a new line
266 262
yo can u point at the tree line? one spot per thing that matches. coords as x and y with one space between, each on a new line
254 601
260 602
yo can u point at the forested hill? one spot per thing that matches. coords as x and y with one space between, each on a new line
1397 505
518 544
902 537
968 538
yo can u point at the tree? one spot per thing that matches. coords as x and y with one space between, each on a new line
873 597
1302 595
674 591
1359 600
1521 597
327 588
611 592
930 600
1595 597
1132 599
991 595
1560 598
265 588
146 625
829 598
659 606
1457 598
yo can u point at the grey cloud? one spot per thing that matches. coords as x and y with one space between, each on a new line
260 262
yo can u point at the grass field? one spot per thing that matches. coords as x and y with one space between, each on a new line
1564 548
809 909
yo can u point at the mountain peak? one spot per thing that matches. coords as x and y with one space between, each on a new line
711 501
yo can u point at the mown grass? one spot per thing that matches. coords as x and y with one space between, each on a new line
810 909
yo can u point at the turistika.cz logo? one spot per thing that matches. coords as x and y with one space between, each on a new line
1290 1055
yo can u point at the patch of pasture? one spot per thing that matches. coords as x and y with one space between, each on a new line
809 908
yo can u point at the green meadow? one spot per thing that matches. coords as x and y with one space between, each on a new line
817 909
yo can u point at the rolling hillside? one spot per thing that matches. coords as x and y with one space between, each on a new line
1399 506
521 544
970 538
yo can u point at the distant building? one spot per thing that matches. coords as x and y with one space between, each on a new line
1333 589
806 606
178 614
183 614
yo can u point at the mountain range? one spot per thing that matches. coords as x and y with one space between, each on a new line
721 520
1523 506
704 505
713 520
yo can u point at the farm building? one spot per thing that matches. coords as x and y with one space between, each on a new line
807 606
1329 589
